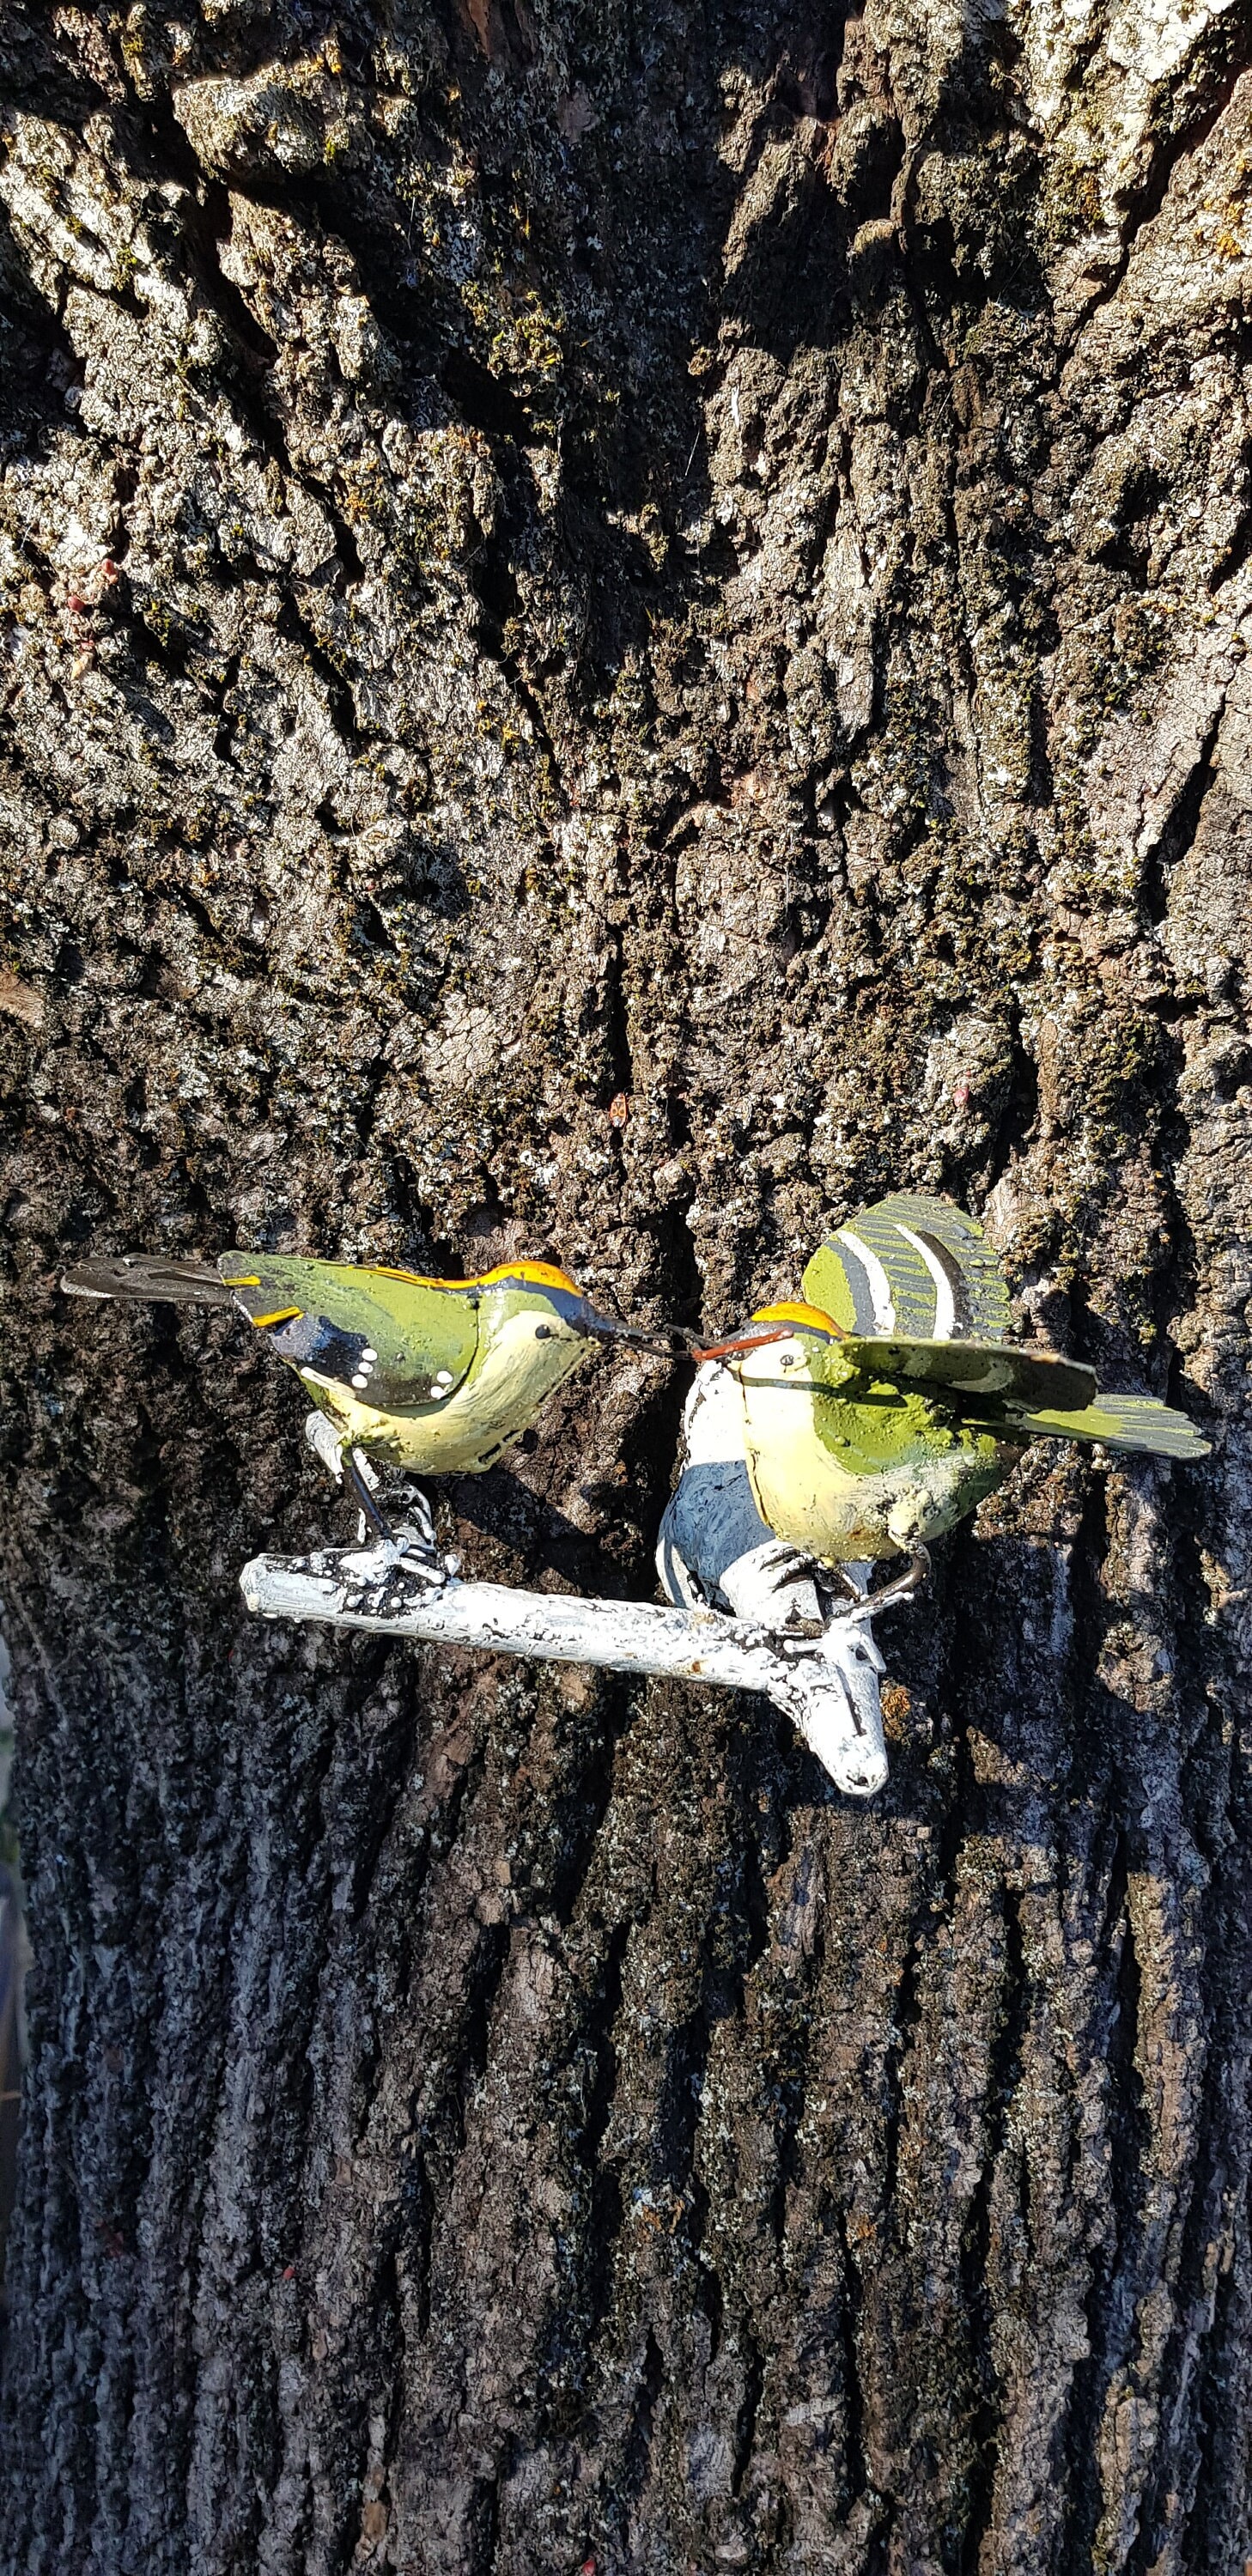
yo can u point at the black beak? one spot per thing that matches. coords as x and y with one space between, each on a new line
669 1340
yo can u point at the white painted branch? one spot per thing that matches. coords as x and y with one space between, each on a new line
827 1685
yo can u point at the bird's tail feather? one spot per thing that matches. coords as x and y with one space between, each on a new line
148 1280
1126 1422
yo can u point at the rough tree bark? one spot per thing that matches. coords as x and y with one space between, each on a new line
623 630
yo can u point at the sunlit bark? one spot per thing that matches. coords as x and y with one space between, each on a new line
624 629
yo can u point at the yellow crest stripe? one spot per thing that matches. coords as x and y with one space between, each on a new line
811 1319
543 1274
283 1315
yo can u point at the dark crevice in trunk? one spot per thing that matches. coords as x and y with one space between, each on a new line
1178 832
998 2147
1111 2299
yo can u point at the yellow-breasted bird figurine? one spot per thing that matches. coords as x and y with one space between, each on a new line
437 1375
873 1415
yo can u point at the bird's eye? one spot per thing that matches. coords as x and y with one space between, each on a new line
543 1332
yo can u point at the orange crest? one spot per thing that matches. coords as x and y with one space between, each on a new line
808 1319
536 1274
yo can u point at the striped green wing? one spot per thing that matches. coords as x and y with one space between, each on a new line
911 1265
996 1373
390 1341
1127 1422
1038 1394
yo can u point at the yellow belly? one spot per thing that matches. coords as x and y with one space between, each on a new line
838 1514
472 1427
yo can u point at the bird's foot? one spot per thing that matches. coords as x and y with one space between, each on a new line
402 1553
420 1552
846 1589
905 1585
774 1583
427 1562
412 1543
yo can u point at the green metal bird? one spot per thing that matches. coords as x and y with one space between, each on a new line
437 1375
879 1411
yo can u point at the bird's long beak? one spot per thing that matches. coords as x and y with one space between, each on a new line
779 1324
749 1341
671 1341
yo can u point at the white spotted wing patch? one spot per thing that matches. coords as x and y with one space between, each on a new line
380 1336
329 1355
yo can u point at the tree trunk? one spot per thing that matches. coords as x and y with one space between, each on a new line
624 631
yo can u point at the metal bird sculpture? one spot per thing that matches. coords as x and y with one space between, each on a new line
440 1376
872 1416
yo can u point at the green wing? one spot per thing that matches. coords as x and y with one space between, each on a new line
999 1373
1037 1394
388 1339
1123 1422
911 1265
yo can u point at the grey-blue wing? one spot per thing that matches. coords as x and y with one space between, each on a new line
710 1522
